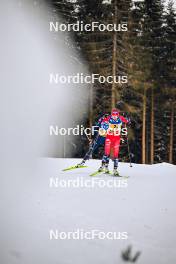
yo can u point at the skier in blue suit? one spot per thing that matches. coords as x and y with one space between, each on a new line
99 140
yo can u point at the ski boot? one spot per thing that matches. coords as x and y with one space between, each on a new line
107 169
115 172
102 167
82 163
104 164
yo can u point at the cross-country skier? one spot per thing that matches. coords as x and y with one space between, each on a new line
99 140
113 125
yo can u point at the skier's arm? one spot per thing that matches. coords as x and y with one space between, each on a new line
98 125
124 120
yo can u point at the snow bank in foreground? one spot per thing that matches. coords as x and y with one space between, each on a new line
145 210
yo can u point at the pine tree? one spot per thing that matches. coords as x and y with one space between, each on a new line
155 40
170 73
140 66
149 61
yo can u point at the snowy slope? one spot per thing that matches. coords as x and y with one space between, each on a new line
145 209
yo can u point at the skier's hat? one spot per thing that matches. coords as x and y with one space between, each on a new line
115 112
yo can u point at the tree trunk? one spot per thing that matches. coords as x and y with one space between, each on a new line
171 134
152 128
91 106
144 128
114 58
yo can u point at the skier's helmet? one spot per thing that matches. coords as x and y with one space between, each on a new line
114 113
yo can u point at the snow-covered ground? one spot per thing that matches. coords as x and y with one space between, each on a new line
145 209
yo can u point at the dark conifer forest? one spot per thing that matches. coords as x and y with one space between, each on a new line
146 53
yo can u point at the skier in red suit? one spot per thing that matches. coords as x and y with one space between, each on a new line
112 128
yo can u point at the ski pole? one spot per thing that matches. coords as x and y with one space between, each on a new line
129 153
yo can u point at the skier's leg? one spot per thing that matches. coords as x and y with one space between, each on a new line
107 151
89 152
107 146
86 157
100 141
105 159
104 163
116 163
107 166
116 154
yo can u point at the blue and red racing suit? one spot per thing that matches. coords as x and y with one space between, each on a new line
112 130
